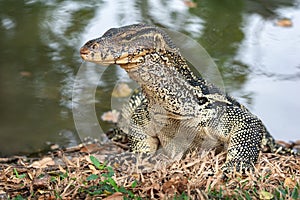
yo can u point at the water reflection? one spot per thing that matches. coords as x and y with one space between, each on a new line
39 59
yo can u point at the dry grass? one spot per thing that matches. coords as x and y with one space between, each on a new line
71 174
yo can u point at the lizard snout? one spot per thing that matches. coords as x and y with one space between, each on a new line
84 51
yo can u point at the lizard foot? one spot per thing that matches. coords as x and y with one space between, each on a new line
238 166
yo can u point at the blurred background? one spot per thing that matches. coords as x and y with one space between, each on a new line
255 44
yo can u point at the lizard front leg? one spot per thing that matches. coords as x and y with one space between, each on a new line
140 135
244 146
140 142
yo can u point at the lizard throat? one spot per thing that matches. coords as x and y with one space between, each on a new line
165 86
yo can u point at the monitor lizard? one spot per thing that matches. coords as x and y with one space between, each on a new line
175 111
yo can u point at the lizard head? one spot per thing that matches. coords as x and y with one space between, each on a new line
127 45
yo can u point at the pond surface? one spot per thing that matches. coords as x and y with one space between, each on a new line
259 60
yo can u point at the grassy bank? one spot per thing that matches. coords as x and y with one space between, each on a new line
75 173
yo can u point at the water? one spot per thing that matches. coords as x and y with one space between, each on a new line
39 40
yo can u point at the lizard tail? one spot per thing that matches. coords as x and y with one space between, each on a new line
269 145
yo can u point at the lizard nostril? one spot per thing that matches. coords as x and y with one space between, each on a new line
84 51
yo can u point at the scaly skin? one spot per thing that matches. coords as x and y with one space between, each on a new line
176 112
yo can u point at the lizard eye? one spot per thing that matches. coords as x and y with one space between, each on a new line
95 46
128 37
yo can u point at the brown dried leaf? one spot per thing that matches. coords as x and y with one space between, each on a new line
30 175
283 143
67 161
61 169
167 186
190 3
115 196
93 169
297 147
284 22
111 116
47 197
155 186
176 183
297 142
121 90
135 175
290 183
41 181
54 147
90 148
25 73
182 185
2 194
43 163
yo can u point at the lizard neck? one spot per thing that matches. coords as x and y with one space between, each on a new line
166 81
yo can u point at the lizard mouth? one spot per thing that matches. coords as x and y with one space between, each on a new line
125 60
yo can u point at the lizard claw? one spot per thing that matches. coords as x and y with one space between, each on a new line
239 166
